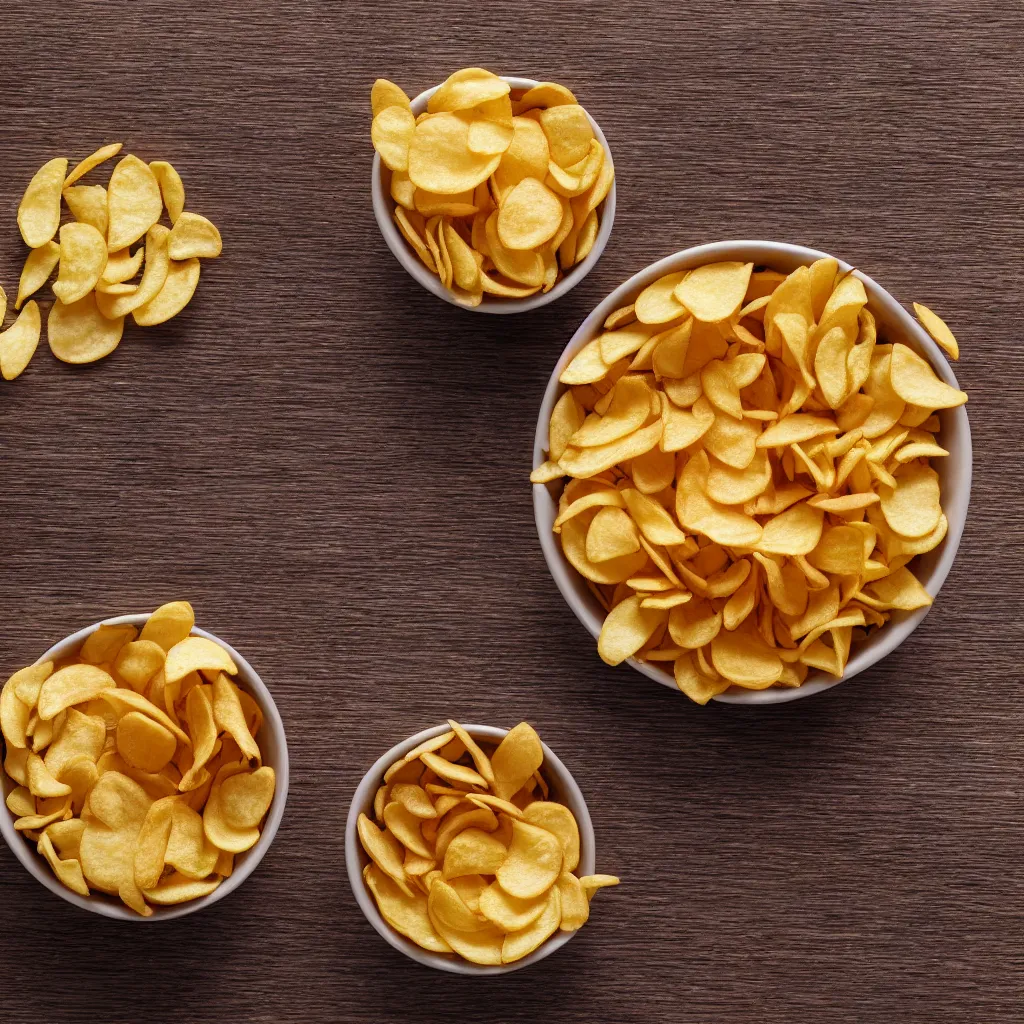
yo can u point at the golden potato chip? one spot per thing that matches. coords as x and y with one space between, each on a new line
88 205
473 852
71 685
522 943
218 830
138 661
481 945
176 888
19 342
80 333
174 295
193 236
559 821
172 190
915 381
151 846
657 303
912 508
568 132
516 758
40 782
574 904
440 159
82 736
534 861
507 912
93 160
144 743
715 291
937 328
386 94
20 802
196 654
546 94
39 211
38 267
405 912
121 266
529 215
467 88
68 872
134 202
103 643
169 624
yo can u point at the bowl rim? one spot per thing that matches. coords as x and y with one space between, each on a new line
106 905
362 799
955 506
383 205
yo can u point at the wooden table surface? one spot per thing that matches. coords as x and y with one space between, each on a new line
331 465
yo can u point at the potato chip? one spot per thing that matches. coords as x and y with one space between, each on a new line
169 624
534 861
193 236
405 912
172 190
217 828
196 654
121 266
19 342
529 215
151 846
80 333
568 132
714 292
176 888
38 267
467 88
144 743
174 295
546 94
912 508
134 202
68 872
71 685
915 381
386 94
138 661
39 211
92 161
88 205
522 943
937 328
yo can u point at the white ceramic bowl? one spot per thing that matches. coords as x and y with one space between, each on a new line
273 746
563 789
894 324
383 206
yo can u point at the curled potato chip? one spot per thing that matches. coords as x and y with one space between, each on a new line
559 821
516 758
529 216
568 132
124 700
172 190
157 265
177 888
519 944
218 830
38 266
40 782
915 381
406 913
938 329
745 659
68 872
174 295
473 852
121 266
19 342
912 508
196 654
480 759
481 945
575 907
467 88
627 627
509 913
657 303
169 624
525 267
92 161
134 202
193 236
715 291
88 205
103 643
83 257
188 850
82 735
386 94
151 845
80 333
71 685
39 210
405 827
230 716
138 661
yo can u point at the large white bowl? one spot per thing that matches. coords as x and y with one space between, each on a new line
273 746
384 205
894 324
563 789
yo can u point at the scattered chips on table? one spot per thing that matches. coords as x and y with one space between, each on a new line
98 283
135 762
497 191
749 473
469 854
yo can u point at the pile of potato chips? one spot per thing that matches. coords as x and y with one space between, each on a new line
465 857
750 473
135 761
496 191
98 282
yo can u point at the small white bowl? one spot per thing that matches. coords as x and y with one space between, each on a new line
272 744
563 789
894 324
383 206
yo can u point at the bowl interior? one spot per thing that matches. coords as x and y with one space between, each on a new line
894 324
272 743
384 205
563 790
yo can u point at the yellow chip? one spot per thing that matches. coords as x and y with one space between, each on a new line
546 94
191 236
568 132
714 292
144 743
175 294
657 303
93 160
246 797
122 266
440 159
534 861
134 202
218 830
137 662
71 685
467 88
386 94
19 342
912 508
88 205
405 912
39 211
169 624
915 381
516 758
157 264
151 845
38 267
68 872
177 888
196 654
937 328
172 190
522 943
529 216
507 912
80 333
559 821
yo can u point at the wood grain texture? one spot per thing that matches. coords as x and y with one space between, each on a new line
331 465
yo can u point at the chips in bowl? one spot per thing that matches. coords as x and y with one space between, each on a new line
749 474
470 854
498 191
134 762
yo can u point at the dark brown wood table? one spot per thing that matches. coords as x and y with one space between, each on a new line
331 465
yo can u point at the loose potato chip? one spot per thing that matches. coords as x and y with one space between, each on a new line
912 508
103 644
19 342
454 773
151 846
745 659
38 267
40 782
188 850
938 329
575 907
193 236
83 257
39 211
559 821
172 190
144 743
480 759
626 629
92 161
218 830
473 852
230 716
507 912
246 797
175 294
467 88
20 802
657 303
546 94
134 202
80 333
88 205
